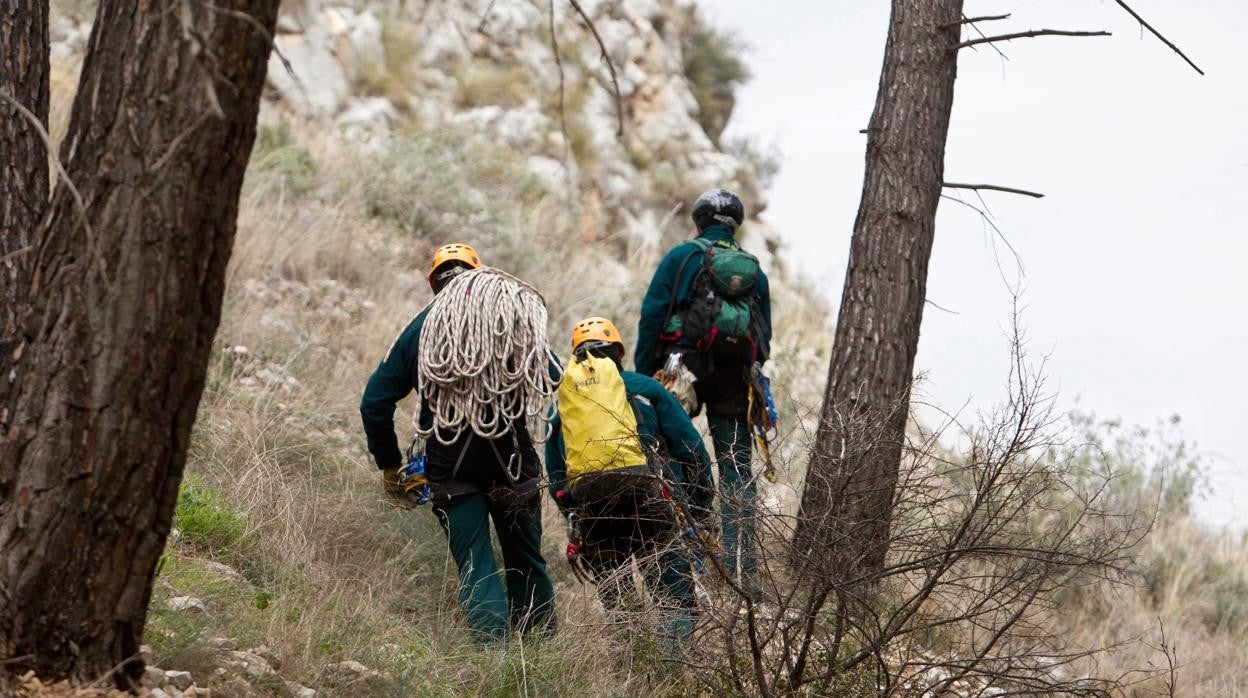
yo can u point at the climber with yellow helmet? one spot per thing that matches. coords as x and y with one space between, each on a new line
624 464
480 464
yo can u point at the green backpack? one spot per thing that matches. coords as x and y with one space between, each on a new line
722 316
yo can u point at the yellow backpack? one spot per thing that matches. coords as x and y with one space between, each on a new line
599 426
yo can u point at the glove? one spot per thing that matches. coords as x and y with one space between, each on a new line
394 491
563 500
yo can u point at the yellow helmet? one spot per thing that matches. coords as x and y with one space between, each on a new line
457 252
596 328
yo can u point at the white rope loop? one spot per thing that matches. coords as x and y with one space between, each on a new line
484 357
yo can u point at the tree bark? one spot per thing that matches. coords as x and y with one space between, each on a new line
847 503
23 157
125 299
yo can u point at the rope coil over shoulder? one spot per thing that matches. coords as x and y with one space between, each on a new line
484 360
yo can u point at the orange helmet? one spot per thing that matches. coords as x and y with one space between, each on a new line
457 252
596 328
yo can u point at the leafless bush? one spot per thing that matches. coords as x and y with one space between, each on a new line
983 546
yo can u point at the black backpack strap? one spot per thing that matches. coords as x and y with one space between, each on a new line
680 271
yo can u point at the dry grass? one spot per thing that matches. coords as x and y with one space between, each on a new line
317 290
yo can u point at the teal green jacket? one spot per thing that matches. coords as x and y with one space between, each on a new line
654 306
394 378
397 376
662 422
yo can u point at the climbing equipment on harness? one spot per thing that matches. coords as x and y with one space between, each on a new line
599 425
412 477
762 417
485 362
679 380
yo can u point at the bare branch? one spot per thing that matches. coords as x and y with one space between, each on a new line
1025 35
16 253
563 110
485 17
619 99
1157 34
993 187
972 20
62 175
938 306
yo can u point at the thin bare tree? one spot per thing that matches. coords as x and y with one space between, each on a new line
854 468
127 271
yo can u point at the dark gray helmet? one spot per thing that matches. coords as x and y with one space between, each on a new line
718 206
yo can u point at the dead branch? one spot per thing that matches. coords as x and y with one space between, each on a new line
993 187
973 20
485 17
62 175
1157 34
982 35
602 46
563 109
1025 35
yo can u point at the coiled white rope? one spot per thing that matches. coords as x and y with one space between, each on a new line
484 360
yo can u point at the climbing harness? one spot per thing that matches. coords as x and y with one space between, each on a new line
763 418
485 361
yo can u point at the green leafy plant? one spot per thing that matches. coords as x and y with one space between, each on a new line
206 521
715 70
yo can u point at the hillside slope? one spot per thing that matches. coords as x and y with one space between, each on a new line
390 129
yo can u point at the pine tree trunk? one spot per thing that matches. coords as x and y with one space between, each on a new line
123 309
23 158
847 504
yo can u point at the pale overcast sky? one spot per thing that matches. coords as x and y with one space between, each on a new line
1134 263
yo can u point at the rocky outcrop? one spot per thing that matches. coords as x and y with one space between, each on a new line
489 68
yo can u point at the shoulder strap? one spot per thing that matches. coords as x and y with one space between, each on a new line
680 271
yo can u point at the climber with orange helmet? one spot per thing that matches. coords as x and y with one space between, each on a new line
470 481
625 464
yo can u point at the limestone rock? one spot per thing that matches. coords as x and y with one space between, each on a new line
152 677
249 664
187 604
180 680
350 674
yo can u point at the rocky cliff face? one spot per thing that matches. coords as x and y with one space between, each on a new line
492 68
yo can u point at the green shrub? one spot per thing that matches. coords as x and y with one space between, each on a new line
482 83
276 155
392 77
763 160
436 185
715 71
205 520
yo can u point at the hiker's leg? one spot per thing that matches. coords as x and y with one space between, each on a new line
730 437
669 577
614 580
529 590
467 525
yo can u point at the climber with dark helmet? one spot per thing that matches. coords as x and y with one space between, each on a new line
707 313
627 468
472 471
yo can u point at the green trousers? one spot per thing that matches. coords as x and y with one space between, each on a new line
497 603
730 437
